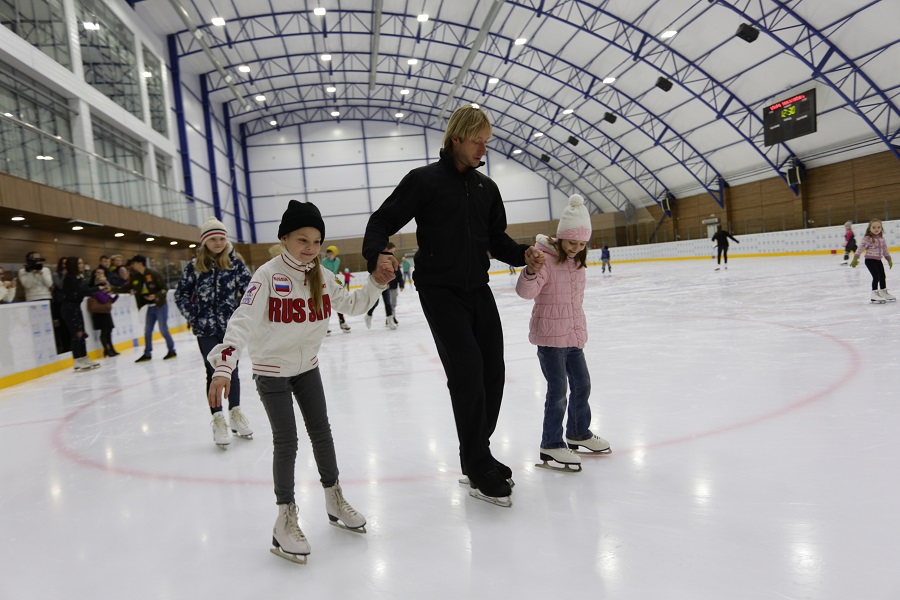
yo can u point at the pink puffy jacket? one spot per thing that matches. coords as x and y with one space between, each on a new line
557 319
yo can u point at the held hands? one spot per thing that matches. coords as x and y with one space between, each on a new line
218 387
384 270
534 260
854 262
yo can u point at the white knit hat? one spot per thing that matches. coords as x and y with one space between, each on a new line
212 227
575 222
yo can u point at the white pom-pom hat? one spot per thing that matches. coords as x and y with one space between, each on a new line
575 222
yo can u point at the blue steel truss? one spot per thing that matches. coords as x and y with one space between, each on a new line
828 63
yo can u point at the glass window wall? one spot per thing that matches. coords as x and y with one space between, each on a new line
156 97
120 176
41 23
108 55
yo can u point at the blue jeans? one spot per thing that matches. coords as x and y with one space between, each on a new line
558 365
154 314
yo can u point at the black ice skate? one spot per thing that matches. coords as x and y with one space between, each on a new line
491 487
504 471
566 460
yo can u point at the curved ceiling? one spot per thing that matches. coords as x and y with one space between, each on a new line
549 71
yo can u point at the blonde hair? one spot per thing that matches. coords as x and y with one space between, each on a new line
465 123
206 260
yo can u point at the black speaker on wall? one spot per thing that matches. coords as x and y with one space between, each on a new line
664 84
609 117
573 140
748 33
545 158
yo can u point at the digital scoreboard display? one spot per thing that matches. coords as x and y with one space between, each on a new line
790 118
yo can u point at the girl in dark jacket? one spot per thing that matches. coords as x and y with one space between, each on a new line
74 291
209 292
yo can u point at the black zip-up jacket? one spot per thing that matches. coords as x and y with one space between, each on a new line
459 219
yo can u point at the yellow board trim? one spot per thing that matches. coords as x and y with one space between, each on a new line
67 363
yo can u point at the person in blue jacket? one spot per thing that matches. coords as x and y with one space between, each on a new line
210 290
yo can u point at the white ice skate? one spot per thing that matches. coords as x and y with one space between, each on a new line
288 540
876 298
220 430
887 296
571 462
345 328
85 364
240 426
340 513
594 444
368 320
389 322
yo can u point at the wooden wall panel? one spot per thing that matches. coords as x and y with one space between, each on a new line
828 180
875 171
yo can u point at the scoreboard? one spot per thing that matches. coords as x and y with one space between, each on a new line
790 118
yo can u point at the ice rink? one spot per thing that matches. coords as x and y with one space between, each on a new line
753 415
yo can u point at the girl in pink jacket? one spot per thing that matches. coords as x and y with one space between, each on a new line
559 329
875 248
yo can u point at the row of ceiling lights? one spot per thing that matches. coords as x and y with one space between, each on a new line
118 234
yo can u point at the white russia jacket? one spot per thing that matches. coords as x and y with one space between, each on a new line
275 323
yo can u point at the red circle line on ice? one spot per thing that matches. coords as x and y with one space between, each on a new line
60 445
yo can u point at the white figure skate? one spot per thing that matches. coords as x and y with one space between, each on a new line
571 462
85 364
340 513
368 320
220 430
288 540
389 322
887 296
240 426
876 298
594 444
345 328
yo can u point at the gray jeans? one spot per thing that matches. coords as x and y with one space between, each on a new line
277 395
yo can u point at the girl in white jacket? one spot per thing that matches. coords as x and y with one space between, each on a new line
282 320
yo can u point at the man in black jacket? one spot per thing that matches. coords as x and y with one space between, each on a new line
460 219
149 289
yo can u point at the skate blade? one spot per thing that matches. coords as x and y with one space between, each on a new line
503 501
340 525
222 446
465 481
565 468
245 436
300 559
585 450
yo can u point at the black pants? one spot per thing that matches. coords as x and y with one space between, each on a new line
276 395
876 268
74 320
723 252
388 308
469 338
234 395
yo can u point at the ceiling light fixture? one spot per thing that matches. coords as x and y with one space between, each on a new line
91 26
331 89
668 33
150 239
192 246
77 228
173 243
402 93
260 98
273 122
146 74
412 61
538 134
520 41
17 218
120 234
474 105
319 11
568 111
422 18
244 69
399 115
325 57
335 113
494 80
609 80
517 151
218 21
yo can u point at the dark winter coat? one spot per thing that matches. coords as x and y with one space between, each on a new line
207 300
459 220
148 283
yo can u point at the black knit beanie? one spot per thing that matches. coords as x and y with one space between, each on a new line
301 214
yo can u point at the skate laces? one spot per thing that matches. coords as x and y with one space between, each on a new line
342 503
219 424
237 415
293 524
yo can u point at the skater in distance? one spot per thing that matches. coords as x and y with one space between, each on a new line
849 241
720 237
559 330
459 220
209 292
875 248
282 319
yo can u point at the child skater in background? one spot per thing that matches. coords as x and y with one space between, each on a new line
849 241
604 260
333 264
282 320
559 329
347 277
875 248
210 290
